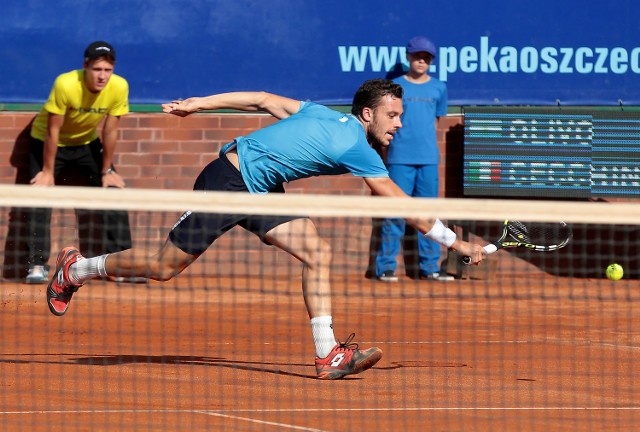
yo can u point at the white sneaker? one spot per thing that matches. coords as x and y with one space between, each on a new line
37 275
388 276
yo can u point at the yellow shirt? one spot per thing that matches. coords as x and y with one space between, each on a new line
82 110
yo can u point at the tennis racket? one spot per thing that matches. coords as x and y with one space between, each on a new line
534 236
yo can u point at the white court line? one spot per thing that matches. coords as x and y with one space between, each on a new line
262 422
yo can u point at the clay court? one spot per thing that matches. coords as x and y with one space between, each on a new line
527 352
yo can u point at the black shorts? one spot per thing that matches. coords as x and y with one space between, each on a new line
195 232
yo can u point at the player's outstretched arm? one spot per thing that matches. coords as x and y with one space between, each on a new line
278 106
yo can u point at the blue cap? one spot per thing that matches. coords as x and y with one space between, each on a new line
421 44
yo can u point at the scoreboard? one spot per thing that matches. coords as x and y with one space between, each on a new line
551 153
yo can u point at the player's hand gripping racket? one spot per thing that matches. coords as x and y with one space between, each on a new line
534 236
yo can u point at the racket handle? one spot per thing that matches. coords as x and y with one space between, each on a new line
488 249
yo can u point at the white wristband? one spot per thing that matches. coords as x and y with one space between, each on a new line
441 234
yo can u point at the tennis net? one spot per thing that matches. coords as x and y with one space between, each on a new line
526 340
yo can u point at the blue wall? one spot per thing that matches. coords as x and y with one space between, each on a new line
497 52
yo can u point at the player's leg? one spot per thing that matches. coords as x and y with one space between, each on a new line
300 238
188 239
161 265
392 230
73 270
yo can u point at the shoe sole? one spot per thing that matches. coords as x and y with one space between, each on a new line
51 308
50 292
361 366
439 279
387 279
36 281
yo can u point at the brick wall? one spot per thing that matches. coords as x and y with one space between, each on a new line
160 151
167 152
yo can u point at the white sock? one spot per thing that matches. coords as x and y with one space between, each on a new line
87 269
323 337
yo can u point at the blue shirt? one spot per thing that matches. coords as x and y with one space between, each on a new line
415 143
314 141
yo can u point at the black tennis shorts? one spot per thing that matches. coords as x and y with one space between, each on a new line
195 232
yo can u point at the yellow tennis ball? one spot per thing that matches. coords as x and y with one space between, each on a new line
614 272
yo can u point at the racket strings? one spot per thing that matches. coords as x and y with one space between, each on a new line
543 234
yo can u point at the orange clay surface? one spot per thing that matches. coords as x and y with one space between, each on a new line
520 353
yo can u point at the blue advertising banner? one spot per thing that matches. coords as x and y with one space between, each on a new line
489 53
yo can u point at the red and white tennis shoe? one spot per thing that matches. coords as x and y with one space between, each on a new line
346 359
61 289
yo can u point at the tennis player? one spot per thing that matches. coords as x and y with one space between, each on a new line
309 140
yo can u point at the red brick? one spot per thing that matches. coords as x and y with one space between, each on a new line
157 121
267 120
182 134
180 159
160 171
128 171
7 171
136 134
191 172
198 147
126 146
157 146
7 121
140 183
139 159
24 122
237 122
129 121
201 121
226 135
8 134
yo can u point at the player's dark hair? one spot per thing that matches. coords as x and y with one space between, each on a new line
371 93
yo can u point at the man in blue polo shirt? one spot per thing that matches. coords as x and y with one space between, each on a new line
309 140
